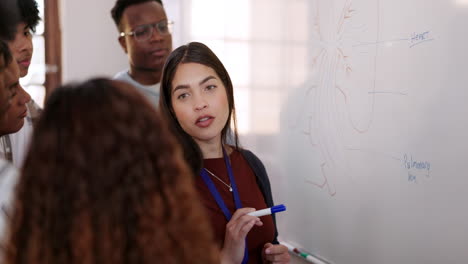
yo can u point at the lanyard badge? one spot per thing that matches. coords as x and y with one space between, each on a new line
219 200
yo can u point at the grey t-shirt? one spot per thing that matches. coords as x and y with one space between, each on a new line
150 91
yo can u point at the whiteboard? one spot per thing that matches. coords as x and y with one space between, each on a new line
359 111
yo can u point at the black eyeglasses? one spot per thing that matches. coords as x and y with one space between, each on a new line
145 32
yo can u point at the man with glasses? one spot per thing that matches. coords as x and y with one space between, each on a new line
145 36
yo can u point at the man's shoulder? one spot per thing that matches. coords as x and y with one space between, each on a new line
150 91
125 76
122 75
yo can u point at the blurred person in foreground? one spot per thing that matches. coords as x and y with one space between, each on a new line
105 182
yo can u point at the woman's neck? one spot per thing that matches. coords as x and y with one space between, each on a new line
211 150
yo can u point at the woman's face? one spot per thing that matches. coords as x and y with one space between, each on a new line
199 101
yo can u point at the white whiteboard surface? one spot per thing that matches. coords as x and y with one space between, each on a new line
366 140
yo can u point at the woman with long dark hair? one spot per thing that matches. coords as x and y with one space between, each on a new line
198 102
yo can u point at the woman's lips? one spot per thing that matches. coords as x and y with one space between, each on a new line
204 121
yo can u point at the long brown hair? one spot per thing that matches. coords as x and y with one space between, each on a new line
196 52
105 182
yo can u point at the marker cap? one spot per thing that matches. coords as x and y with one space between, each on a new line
278 208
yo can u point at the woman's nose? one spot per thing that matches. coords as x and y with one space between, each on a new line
200 103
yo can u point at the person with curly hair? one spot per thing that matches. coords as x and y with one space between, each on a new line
8 19
106 182
21 45
197 99
17 126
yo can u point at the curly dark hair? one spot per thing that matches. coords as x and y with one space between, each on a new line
121 5
5 53
105 182
9 18
29 13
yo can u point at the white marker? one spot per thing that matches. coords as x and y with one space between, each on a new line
308 257
275 209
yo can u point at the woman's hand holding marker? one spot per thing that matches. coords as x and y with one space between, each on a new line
236 231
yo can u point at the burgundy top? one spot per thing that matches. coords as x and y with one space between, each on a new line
250 196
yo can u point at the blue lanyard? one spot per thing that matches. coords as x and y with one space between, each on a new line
219 200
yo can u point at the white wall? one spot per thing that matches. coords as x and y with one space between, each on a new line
89 40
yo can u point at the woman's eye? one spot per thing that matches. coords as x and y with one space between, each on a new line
182 96
210 87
